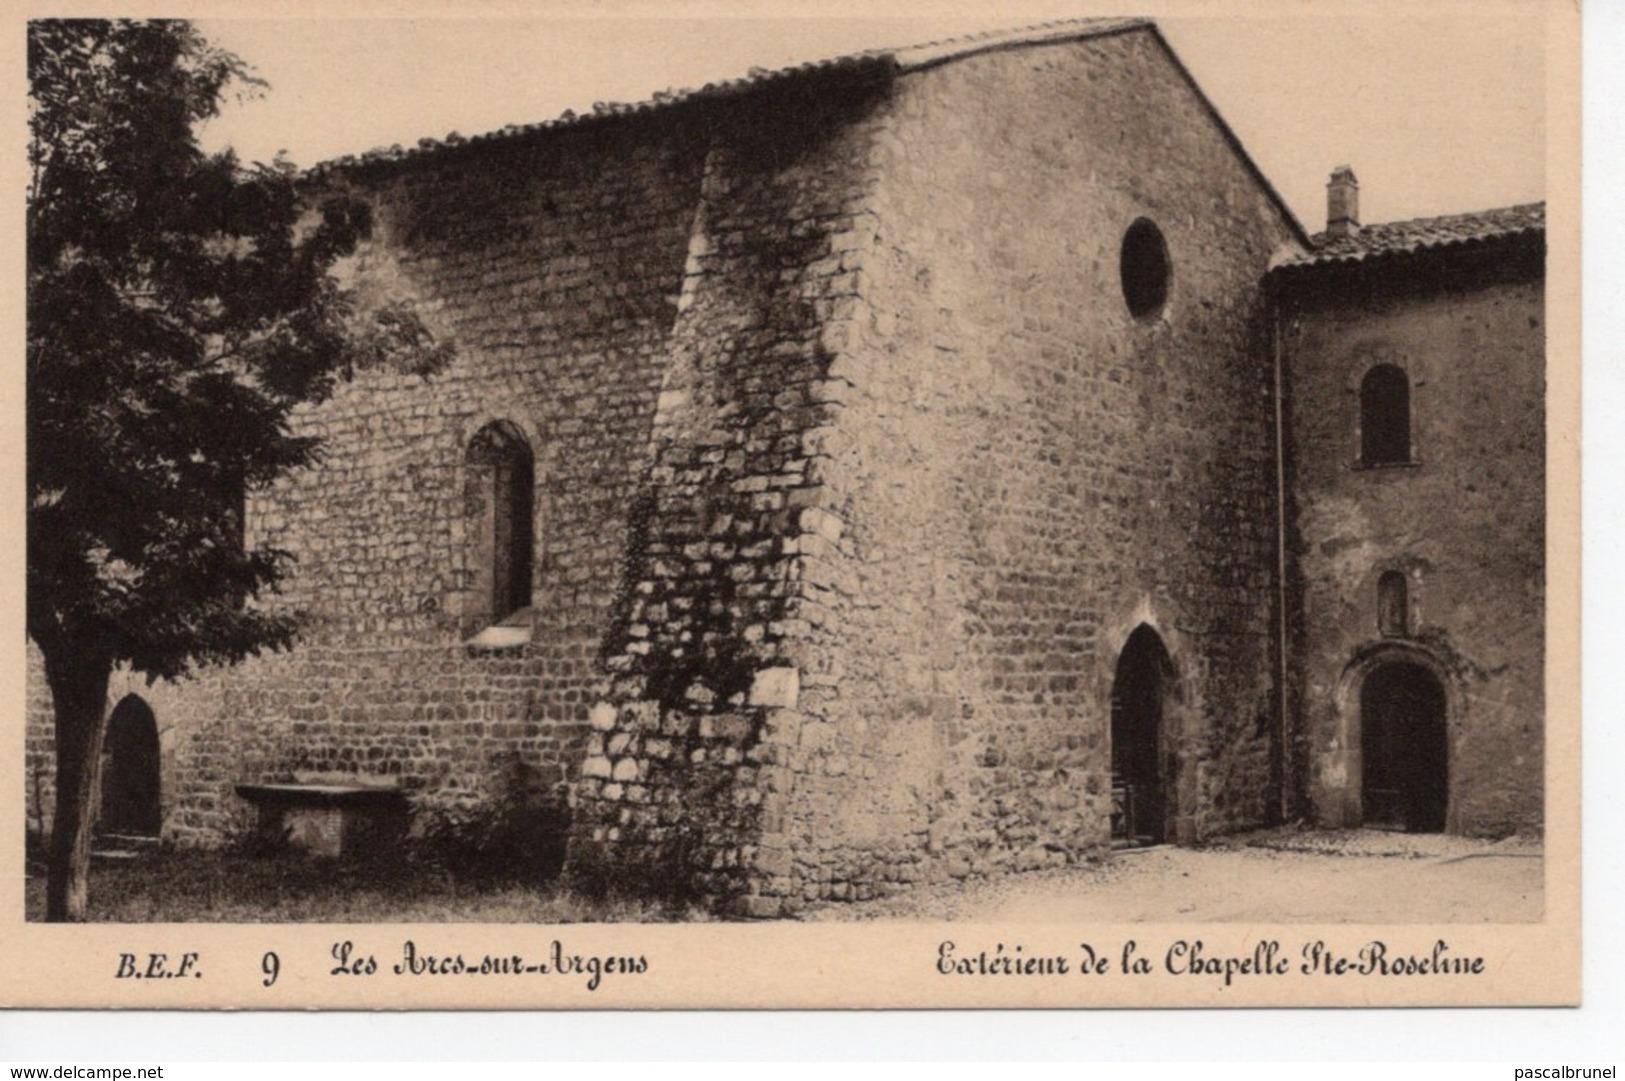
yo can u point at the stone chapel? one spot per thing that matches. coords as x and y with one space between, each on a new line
942 461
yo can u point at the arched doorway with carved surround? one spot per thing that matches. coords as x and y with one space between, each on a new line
1396 710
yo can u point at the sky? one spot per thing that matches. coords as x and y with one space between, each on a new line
1438 112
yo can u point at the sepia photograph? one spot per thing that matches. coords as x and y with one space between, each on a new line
727 475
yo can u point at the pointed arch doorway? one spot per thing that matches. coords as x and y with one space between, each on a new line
1404 745
1141 745
130 804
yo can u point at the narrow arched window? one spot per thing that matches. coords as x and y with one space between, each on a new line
1385 416
1393 605
501 497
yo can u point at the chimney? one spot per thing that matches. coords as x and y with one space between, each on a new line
1342 203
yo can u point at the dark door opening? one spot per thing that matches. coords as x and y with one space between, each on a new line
1143 679
130 793
1405 748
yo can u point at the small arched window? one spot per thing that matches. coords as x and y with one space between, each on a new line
1385 416
1393 605
501 496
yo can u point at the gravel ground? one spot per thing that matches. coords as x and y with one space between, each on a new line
1276 876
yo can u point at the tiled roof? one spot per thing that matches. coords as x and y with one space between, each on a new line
1421 235
915 57
908 58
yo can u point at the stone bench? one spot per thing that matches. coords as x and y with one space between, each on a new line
328 820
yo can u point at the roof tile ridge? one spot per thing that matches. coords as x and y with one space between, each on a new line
902 56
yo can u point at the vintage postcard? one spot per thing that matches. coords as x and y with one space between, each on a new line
596 506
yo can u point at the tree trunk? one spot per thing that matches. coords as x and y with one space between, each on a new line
78 683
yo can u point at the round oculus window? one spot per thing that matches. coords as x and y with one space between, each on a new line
1144 268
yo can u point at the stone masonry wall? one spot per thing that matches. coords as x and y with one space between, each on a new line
1027 473
688 784
853 471
1463 524
983 474
555 264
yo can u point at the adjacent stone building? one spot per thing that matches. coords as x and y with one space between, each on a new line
875 471
1413 355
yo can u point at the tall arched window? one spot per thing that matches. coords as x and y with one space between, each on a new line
1385 416
501 498
1393 605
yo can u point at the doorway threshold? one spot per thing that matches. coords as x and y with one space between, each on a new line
1126 847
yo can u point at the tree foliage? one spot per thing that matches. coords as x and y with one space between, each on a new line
181 307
